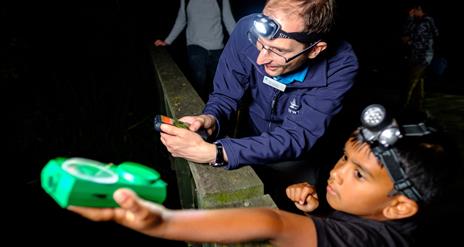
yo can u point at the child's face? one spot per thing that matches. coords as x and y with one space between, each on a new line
358 184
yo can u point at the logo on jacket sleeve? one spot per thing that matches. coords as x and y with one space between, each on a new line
293 108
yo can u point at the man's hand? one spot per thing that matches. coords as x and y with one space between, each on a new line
135 213
187 144
207 122
304 196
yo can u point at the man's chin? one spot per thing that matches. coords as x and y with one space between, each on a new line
273 71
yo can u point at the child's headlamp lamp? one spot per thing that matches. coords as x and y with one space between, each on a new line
382 132
265 27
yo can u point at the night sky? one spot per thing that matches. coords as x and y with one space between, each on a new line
77 80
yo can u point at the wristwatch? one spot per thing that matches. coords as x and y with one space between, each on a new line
219 161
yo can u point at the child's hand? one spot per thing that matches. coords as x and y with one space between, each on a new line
135 213
304 196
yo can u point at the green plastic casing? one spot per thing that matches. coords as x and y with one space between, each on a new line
89 183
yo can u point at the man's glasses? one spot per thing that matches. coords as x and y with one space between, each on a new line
278 56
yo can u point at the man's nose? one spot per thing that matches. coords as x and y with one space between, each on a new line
264 56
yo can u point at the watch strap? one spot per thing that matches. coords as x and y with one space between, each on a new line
219 161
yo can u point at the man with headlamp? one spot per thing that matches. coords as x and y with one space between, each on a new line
296 77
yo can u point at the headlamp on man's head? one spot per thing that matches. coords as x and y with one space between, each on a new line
266 27
382 132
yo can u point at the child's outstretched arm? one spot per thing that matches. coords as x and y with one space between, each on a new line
304 196
214 226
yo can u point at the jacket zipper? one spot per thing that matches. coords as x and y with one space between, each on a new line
273 107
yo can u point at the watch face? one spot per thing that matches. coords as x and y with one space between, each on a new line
90 170
218 164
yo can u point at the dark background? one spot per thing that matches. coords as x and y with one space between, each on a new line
77 80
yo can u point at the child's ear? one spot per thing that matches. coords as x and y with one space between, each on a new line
318 48
400 207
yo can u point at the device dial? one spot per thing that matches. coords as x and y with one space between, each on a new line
90 170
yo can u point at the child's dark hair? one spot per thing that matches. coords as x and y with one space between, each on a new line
427 161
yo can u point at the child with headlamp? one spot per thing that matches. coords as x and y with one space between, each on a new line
370 208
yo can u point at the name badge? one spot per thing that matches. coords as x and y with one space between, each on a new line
273 83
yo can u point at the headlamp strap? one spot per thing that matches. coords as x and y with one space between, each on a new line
416 129
304 38
389 157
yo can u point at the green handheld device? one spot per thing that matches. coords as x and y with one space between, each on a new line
89 183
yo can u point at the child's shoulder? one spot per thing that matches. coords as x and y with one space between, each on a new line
342 229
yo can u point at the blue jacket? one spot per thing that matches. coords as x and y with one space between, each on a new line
286 124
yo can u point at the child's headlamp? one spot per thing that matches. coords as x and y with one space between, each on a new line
382 132
265 27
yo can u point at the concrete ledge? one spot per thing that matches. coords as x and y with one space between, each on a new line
217 187
180 97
